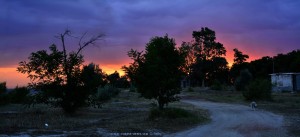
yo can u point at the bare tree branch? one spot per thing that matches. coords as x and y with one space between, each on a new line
92 41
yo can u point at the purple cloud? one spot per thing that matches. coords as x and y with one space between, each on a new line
257 27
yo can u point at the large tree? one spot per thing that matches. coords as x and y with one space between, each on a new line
157 72
57 75
207 56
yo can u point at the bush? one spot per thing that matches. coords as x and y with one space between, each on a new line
19 95
171 113
259 89
243 80
2 87
4 99
132 89
216 86
190 89
106 93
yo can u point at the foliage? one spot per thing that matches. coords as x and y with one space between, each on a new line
156 73
239 57
19 95
259 89
131 70
238 64
4 99
59 77
106 93
205 58
115 80
216 86
92 76
243 80
123 82
190 89
3 87
261 68
289 62
170 113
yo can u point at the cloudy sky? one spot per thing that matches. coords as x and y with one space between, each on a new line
256 27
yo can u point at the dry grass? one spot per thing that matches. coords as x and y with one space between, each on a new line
126 113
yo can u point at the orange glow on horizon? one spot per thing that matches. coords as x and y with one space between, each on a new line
14 78
111 68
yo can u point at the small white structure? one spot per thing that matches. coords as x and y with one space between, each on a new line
285 82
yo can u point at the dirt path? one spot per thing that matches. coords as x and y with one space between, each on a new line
232 120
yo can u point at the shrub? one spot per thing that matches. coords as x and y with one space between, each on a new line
106 93
132 89
2 87
243 80
4 99
216 86
19 95
190 89
259 89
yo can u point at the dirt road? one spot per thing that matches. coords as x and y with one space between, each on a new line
232 120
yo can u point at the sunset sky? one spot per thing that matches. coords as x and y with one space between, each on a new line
256 27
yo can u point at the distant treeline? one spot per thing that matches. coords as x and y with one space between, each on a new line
261 68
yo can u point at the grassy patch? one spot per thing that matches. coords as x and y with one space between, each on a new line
175 119
215 95
170 113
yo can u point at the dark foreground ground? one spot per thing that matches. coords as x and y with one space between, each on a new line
126 115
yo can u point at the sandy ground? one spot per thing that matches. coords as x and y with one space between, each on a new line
232 120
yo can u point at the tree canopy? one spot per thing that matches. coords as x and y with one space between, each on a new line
157 72
58 75
239 57
205 57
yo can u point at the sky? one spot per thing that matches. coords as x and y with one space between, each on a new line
256 27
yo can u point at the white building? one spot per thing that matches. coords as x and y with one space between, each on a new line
285 82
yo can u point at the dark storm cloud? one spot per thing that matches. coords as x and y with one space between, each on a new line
271 26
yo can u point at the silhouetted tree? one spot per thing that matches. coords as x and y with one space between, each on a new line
218 70
243 80
113 78
187 51
238 64
131 70
157 73
4 99
205 55
58 74
19 95
261 68
289 62
92 77
239 57
2 87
